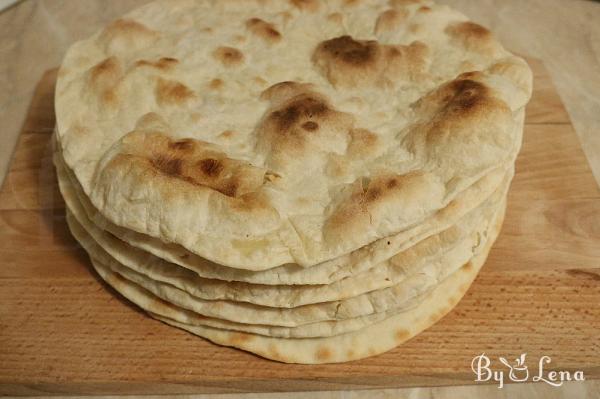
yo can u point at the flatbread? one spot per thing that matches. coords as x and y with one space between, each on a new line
416 283
369 341
455 243
147 300
262 133
328 272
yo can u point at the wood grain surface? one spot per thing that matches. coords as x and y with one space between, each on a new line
63 331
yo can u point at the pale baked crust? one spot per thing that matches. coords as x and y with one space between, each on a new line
258 133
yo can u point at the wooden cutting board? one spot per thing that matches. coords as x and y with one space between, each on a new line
63 331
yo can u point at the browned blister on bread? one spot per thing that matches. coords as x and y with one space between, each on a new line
474 37
263 30
350 63
127 35
197 163
229 56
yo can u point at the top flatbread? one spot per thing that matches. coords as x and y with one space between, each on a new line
259 133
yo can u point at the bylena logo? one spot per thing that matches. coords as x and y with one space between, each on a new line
518 371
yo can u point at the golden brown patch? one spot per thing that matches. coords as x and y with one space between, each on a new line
390 20
238 338
347 62
351 3
323 354
350 354
350 51
230 189
466 94
169 166
170 92
182 145
228 56
299 123
163 64
125 26
272 177
467 266
191 161
304 107
216 84
283 90
470 75
473 37
457 95
469 29
401 335
368 192
310 126
372 194
127 35
392 183
306 5
211 167
105 78
109 69
424 9
263 30
456 103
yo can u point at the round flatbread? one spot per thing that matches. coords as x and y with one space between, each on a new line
455 243
391 299
359 261
262 133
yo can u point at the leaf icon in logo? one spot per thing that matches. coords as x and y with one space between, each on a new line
519 367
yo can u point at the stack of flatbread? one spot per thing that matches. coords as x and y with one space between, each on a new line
311 181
